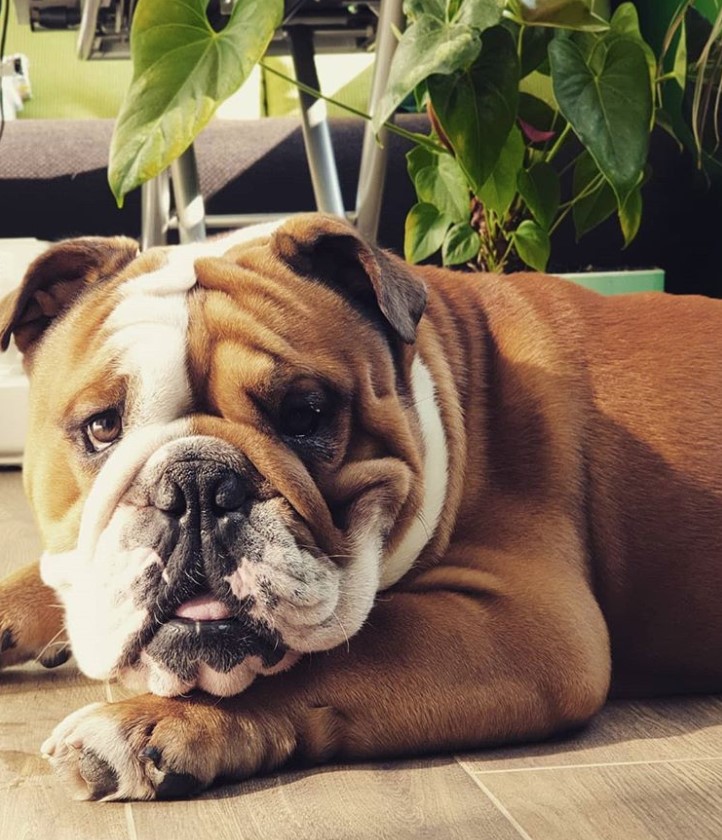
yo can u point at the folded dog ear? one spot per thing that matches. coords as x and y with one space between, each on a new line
55 280
331 251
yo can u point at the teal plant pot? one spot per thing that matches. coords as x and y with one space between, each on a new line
620 282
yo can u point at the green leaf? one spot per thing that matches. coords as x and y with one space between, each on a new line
461 244
595 208
424 232
477 107
182 71
630 215
679 69
417 159
539 187
625 22
443 184
428 46
609 109
481 14
534 43
500 188
413 9
532 244
561 14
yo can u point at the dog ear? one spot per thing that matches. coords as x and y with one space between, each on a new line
331 251
55 280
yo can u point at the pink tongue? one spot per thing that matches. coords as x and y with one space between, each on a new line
203 608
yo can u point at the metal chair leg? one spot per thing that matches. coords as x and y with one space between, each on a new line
155 211
187 197
316 133
374 155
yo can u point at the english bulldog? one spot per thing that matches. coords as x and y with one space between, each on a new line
322 505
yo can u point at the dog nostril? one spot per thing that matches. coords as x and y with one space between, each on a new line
228 494
170 498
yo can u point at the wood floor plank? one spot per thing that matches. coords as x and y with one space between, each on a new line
19 540
32 701
33 804
431 799
665 801
673 728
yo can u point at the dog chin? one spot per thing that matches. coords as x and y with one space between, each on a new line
147 674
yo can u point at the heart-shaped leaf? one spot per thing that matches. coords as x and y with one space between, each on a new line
182 70
610 108
477 107
625 21
500 188
428 46
532 244
443 185
424 232
461 244
539 187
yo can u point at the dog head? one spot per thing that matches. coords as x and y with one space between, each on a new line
225 455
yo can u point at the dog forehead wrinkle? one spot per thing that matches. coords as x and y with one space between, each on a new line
148 336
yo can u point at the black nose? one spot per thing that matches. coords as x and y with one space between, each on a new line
207 487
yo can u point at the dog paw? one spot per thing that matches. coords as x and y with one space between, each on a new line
31 622
21 641
151 747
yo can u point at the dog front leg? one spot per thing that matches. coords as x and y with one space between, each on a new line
461 661
31 621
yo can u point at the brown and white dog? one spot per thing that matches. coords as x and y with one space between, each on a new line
442 505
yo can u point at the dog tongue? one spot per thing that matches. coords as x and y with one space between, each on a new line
203 608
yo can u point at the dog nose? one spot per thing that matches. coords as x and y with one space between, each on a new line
206 486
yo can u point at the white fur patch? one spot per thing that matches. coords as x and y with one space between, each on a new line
90 729
436 476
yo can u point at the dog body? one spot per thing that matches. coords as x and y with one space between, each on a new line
258 458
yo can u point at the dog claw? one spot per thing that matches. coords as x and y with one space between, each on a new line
168 785
7 640
59 657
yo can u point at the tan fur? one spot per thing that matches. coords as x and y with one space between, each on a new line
31 621
581 529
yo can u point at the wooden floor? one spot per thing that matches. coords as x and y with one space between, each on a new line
642 770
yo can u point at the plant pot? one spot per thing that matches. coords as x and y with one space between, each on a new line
620 282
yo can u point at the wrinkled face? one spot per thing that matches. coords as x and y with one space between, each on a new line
226 462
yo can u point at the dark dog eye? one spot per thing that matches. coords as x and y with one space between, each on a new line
302 413
102 430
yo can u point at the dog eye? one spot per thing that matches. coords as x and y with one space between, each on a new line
103 429
302 413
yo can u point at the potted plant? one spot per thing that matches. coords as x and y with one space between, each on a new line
540 110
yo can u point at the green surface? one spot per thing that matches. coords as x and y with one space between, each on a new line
64 87
620 282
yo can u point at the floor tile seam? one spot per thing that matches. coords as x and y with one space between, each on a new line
587 765
130 821
498 805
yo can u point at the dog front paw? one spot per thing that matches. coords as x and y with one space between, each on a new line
31 622
152 747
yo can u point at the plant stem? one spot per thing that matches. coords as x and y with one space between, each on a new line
590 188
420 139
559 143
